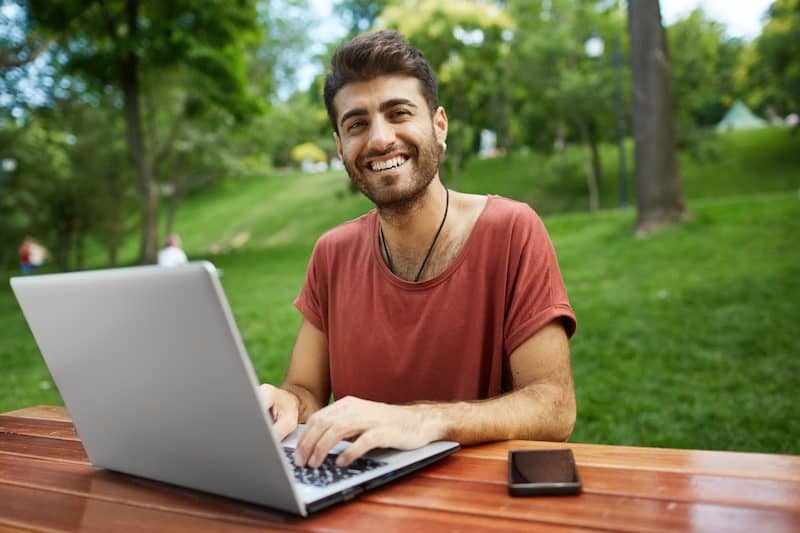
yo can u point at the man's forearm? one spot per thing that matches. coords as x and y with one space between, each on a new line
534 412
307 403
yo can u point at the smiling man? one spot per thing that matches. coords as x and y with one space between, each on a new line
439 314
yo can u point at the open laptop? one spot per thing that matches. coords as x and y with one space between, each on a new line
154 374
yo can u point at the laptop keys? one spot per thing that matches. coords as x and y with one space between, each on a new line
328 472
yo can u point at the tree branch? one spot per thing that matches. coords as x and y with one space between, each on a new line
7 62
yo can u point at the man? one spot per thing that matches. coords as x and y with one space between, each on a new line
172 254
439 315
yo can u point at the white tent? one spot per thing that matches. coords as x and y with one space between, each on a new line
739 117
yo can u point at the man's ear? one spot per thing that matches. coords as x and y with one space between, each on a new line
440 125
338 145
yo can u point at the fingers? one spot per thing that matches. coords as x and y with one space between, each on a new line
324 429
320 435
283 408
368 440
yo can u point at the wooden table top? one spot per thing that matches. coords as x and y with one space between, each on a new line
47 483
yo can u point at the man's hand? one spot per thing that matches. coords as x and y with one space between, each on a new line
283 406
372 424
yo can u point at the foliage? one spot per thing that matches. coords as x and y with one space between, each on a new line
701 76
113 45
308 152
770 72
64 189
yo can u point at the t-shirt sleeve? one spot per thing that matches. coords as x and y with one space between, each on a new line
536 295
311 300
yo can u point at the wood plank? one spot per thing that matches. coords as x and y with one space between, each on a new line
672 486
21 506
43 448
25 507
659 483
743 464
585 510
487 499
43 412
54 429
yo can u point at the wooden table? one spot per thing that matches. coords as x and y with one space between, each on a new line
46 483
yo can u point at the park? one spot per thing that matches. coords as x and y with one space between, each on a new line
680 255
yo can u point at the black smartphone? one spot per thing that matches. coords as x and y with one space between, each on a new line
542 472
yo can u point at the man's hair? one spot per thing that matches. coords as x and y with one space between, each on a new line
382 53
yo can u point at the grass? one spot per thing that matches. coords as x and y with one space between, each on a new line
685 339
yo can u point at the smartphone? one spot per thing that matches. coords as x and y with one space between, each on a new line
542 472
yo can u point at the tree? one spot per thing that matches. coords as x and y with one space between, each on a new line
69 184
770 72
659 195
359 15
114 43
560 93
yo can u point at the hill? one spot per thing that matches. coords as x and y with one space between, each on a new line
685 339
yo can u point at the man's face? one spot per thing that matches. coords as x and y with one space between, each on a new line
387 140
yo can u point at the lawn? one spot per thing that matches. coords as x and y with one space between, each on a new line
687 338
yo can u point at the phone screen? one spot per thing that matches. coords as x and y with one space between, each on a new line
543 466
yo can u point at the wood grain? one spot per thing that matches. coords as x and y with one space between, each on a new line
639 483
584 510
43 412
742 464
43 466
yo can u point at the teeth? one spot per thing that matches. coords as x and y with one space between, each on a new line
390 163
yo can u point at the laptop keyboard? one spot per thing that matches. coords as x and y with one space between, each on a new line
328 472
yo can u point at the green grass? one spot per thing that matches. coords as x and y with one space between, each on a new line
731 164
687 338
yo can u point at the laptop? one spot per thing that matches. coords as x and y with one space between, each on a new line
154 373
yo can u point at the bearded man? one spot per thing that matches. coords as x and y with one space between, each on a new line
437 315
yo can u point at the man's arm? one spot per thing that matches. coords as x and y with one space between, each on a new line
306 388
541 407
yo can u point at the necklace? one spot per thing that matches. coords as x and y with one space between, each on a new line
430 248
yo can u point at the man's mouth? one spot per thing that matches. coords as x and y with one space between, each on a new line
397 161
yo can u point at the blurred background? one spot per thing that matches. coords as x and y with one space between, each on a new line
123 122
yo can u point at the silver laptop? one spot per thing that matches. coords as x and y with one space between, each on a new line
154 374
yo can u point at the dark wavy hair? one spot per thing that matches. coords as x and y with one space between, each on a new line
381 53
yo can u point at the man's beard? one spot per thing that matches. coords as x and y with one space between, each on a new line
426 158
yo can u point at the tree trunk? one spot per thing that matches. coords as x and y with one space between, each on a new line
133 127
597 164
591 176
659 196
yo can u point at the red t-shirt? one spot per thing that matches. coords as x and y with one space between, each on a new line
443 339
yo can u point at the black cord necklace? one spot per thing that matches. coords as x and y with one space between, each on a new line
430 248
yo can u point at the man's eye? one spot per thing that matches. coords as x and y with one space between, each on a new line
400 113
356 125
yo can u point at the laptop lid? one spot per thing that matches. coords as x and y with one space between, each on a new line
154 374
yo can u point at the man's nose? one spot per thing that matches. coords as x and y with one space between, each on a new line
381 135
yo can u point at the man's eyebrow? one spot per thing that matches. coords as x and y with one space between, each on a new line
388 104
351 113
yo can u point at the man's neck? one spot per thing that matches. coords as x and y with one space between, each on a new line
412 228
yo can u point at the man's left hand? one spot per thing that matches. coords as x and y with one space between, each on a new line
371 424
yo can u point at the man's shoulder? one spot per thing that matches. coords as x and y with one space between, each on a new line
347 233
504 210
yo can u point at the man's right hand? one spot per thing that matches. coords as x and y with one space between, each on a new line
283 406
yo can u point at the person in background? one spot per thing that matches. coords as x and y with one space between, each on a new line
31 255
172 254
